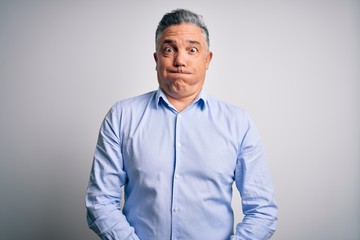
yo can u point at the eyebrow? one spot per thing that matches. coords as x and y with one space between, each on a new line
169 41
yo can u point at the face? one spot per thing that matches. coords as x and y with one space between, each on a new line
182 58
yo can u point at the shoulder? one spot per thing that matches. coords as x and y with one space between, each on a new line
233 119
224 108
132 106
133 103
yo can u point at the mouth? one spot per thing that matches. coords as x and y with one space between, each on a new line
178 71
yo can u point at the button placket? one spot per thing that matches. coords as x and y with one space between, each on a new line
175 201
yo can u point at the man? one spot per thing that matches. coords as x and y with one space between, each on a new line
177 152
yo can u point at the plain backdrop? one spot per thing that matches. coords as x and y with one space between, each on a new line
293 65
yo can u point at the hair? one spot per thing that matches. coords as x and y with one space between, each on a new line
179 16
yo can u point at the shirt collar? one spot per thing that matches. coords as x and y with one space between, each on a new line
200 100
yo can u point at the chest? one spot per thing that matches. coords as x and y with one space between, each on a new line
160 143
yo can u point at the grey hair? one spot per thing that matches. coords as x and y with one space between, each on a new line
179 16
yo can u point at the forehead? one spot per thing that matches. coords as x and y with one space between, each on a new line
183 32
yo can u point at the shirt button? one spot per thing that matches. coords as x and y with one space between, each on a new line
176 209
179 144
177 176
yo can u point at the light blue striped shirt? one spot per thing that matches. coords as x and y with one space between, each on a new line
177 169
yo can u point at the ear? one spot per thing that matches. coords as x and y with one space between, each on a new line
156 60
155 57
208 59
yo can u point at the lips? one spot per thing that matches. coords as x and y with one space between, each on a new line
178 71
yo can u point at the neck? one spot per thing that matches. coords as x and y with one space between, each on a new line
181 103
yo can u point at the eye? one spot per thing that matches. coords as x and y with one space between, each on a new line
193 50
168 50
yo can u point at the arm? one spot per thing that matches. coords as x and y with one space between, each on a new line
107 176
253 181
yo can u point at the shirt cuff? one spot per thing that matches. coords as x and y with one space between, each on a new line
233 237
133 236
113 235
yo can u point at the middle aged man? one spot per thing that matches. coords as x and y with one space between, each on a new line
177 152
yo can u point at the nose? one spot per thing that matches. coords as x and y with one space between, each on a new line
180 59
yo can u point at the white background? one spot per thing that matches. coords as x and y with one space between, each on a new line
293 65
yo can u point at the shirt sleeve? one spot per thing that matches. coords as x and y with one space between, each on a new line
253 181
104 215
